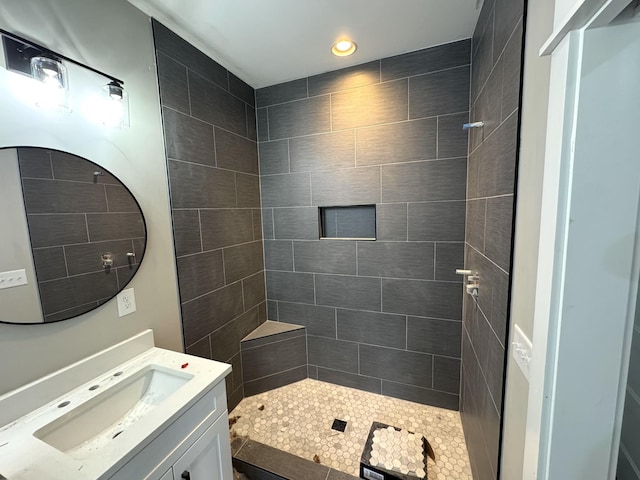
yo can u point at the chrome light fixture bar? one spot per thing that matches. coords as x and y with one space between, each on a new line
45 65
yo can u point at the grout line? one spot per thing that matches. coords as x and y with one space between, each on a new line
211 167
271 374
215 249
224 275
200 232
406 332
408 99
407 221
200 120
362 127
435 259
315 302
188 89
438 137
433 369
66 263
235 188
273 222
86 224
268 126
293 256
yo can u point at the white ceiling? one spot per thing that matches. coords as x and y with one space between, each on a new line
266 42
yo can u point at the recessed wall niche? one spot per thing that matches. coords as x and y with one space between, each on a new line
355 222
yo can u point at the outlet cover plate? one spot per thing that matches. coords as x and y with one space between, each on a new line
126 302
521 351
13 278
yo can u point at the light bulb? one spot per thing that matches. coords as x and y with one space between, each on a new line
343 47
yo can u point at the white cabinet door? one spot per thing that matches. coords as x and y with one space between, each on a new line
209 458
168 475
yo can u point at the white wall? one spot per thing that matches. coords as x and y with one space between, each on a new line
114 37
527 228
20 304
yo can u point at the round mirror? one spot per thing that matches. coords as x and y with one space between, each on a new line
72 237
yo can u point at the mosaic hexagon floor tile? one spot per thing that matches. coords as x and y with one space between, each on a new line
298 418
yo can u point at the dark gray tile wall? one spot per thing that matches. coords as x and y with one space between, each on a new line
495 93
629 453
210 131
385 315
74 217
274 361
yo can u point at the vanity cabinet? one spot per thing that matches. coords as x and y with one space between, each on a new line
130 412
194 447
209 458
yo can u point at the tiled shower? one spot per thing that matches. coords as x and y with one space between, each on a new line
383 315
248 171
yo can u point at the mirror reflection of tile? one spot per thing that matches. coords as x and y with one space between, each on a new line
86 230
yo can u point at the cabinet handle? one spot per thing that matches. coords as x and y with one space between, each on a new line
186 475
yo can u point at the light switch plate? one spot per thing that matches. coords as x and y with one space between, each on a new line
13 278
126 302
521 350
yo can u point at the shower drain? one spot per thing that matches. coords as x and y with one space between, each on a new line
339 425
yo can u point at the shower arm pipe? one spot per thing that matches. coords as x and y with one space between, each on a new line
467 126
42 49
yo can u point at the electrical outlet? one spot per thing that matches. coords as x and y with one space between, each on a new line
126 302
14 278
522 349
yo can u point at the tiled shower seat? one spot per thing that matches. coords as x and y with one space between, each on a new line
273 355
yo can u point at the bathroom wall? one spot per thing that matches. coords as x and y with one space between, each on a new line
212 159
495 96
19 305
535 93
76 28
384 315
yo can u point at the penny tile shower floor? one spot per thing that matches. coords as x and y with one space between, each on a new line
297 418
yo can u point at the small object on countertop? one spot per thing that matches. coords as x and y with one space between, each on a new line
261 407
184 365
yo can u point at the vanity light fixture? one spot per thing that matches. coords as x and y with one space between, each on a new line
47 67
53 87
343 47
116 105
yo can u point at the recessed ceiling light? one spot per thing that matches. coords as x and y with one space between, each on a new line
343 47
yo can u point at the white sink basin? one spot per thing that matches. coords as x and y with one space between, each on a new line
87 420
86 429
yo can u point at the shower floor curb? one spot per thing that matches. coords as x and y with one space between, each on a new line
262 462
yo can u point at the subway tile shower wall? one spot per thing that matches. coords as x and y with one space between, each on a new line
495 93
212 158
384 316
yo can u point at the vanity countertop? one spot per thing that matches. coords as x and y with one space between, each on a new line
25 455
